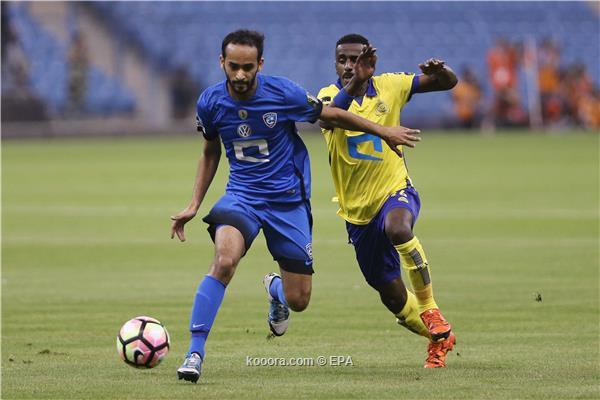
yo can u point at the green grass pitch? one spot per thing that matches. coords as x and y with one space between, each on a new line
85 247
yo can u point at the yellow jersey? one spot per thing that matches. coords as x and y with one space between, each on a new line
365 170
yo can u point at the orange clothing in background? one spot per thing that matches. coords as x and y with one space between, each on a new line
466 99
503 68
548 80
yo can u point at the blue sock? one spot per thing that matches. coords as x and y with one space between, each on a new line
276 290
206 305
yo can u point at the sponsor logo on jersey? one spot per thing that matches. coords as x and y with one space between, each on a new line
243 114
244 130
270 119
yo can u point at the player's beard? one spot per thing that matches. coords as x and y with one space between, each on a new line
248 86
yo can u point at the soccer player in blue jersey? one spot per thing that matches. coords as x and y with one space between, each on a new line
254 116
377 197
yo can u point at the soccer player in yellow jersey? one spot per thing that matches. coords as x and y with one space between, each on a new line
376 196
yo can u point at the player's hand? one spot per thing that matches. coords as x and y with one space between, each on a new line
179 221
364 68
432 66
401 136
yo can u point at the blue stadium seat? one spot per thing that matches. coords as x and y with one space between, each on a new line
49 71
300 36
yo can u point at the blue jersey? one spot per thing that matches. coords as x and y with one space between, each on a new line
267 159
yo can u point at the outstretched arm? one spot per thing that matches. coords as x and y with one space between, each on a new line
364 68
207 168
436 76
394 136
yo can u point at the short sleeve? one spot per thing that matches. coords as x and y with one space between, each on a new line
204 119
302 106
327 94
401 83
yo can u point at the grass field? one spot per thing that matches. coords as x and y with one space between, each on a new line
85 246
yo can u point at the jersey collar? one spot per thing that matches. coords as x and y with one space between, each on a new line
371 92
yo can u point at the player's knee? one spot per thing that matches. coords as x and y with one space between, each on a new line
298 301
399 233
398 226
223 267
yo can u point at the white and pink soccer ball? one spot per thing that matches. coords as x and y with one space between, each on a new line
143 342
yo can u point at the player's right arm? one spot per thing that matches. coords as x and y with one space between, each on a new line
207 168
364 69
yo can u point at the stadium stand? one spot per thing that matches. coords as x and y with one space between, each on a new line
299 42
300 35
49 71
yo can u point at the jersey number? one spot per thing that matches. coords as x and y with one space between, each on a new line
260 144
354 141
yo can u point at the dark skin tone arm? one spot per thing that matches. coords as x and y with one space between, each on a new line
436 76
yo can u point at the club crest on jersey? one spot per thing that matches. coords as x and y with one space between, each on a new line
243 114
382 108
244 130
270 119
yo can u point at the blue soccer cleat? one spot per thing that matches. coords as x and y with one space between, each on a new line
279 313
190 369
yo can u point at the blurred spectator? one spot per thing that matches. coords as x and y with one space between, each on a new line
576 85
78 74
503 60
5 26
184 92
549 79
467 99
15 66
589 109
18 101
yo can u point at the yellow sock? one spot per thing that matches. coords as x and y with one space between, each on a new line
415 264
410 318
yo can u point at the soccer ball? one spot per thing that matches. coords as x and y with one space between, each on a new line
143 342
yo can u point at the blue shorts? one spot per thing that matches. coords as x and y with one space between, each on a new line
287 228
378 259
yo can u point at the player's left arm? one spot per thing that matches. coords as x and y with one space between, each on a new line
394 136
437 76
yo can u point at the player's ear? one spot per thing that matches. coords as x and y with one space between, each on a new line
260 63
222 61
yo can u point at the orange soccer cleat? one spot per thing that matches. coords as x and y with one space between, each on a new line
438 327
436 352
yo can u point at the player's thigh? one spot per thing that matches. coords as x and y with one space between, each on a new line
402 208
231 211
288 232
377 258
230 246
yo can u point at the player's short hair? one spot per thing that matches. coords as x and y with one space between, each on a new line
245 37
352 38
